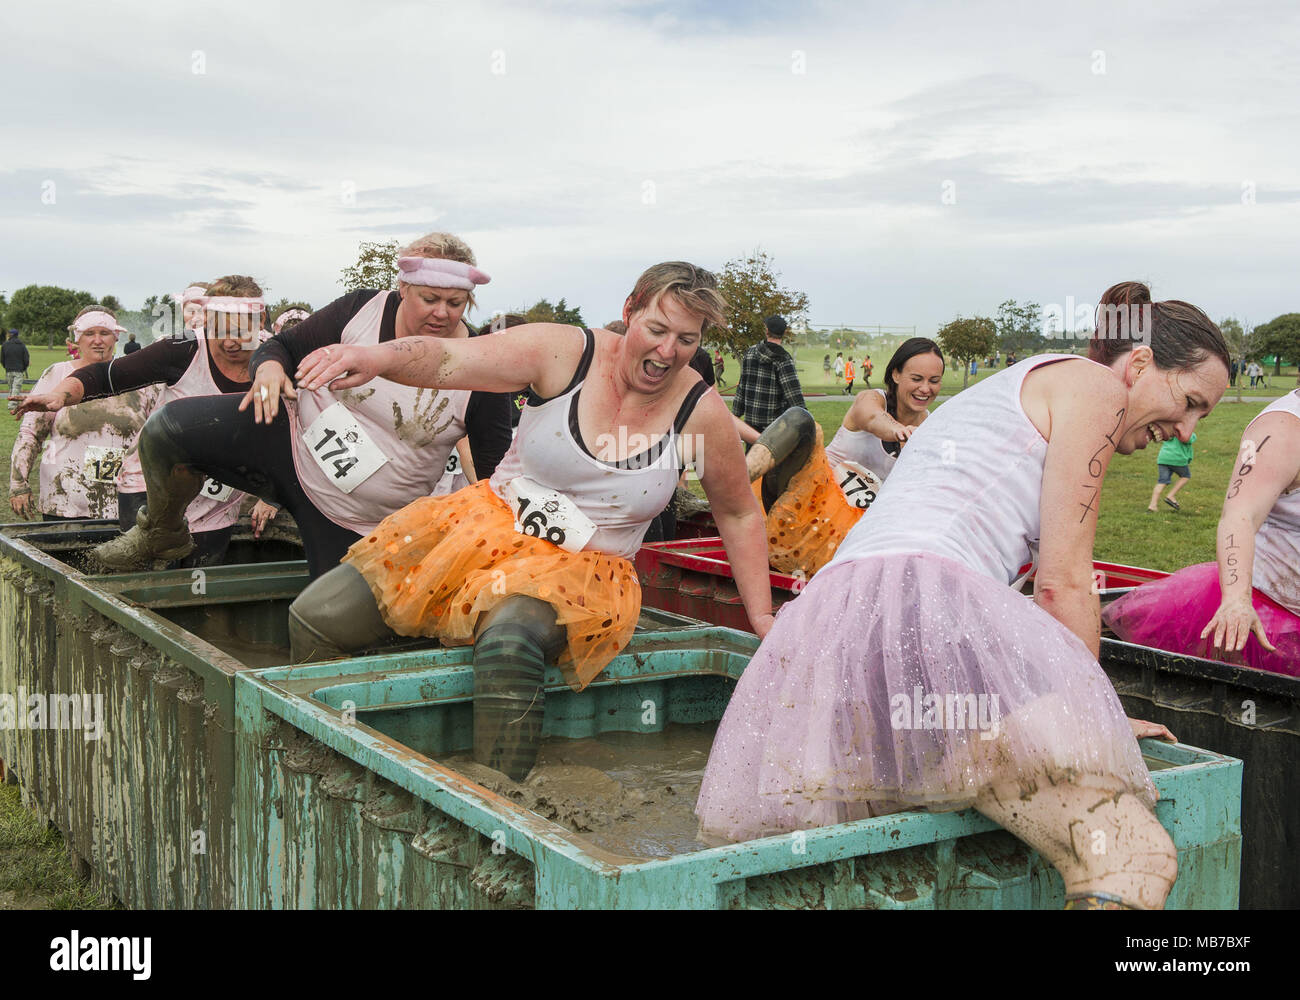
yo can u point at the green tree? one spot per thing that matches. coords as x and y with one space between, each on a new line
46 311
111 302
1020 328
753 290
542 311
376 267
967 340
1280 337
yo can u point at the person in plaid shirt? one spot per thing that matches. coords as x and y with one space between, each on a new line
768 383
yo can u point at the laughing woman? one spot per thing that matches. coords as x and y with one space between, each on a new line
917 599
532 565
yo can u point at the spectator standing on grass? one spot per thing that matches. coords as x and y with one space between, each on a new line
131 346
1232 372
17 361
769 384
850 376
826 364
839 366
1175 459
866 371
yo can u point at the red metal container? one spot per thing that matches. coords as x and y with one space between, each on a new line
692 577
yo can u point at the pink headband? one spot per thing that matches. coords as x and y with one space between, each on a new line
192 294
232 304
91 320
439 273
287 315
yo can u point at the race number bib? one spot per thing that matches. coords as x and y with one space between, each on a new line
859 485
218 492
102 464
548 514
453 463
343 449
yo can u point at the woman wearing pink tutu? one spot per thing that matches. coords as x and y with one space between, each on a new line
909 674
1250 597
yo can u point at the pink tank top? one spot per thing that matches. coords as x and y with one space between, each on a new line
414 429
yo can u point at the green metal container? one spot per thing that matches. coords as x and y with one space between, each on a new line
345 798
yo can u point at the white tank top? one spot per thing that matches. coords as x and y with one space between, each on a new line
414 428
968 484
622 498
83 455
1277 543
862 447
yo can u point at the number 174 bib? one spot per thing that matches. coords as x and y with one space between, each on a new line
343 449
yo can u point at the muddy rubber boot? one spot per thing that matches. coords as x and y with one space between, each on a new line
782 450
160 533
511 651
335 615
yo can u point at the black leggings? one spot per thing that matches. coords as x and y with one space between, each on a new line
211 435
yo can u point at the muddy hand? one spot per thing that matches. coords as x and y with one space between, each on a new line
338 366
45 402
21 504
1144 730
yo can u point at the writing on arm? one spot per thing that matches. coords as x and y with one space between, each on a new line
1097 468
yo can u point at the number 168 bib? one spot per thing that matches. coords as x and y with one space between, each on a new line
548 514
343 449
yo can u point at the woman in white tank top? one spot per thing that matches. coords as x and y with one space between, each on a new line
532 566
908 674
814 498
1245 607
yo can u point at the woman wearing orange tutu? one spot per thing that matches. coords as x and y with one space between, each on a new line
814 496
532 565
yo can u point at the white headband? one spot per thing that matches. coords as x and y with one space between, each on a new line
288 314
91 320
232 304
191 294
439 273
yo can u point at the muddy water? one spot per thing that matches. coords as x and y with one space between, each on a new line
631 794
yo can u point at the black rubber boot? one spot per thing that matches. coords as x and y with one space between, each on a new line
789 440
513 645
335 615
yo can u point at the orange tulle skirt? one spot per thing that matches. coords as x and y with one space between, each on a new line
440 562
809 520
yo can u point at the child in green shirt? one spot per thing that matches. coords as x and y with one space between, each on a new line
1175 459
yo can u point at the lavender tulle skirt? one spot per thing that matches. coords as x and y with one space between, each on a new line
904 681
1170 614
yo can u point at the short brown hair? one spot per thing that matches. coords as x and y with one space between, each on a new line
239 286
694 288
1180 335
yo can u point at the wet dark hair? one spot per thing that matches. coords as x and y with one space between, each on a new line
1179 334
907 350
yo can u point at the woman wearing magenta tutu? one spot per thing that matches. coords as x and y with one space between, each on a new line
909 674
1246 606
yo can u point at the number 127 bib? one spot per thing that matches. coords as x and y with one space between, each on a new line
343 449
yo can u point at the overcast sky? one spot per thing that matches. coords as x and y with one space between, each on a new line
901 163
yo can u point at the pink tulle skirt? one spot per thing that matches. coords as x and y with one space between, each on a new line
1171 613
904 681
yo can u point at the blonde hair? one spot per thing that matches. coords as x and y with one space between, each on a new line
694 288
440 246
237 285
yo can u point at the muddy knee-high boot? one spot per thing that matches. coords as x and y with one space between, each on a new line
335 615
160 533
782 450
515 641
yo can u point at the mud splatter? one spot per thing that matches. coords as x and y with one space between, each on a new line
353 398
123 415
421 427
